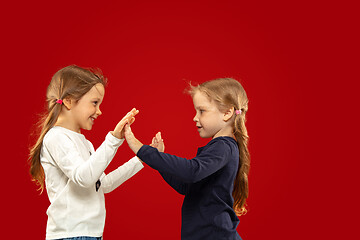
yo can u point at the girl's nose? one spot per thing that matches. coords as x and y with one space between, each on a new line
98 112
195 119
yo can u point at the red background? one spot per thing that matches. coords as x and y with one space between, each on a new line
296 61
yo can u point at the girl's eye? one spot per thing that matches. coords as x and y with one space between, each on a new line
95 102
201 111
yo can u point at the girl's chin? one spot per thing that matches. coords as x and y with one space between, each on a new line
202 135
88 128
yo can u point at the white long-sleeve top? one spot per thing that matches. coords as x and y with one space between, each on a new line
72 167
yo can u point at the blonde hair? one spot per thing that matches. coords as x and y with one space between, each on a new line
228 93
69 82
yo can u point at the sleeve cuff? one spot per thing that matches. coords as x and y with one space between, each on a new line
114 140
143 151
136 161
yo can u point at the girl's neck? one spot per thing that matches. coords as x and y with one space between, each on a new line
227 131
65 124
69 130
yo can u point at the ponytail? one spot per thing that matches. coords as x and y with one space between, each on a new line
45 123
241 184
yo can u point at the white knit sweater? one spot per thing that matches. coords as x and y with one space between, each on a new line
72 167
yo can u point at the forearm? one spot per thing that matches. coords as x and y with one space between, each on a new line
117 177
91 170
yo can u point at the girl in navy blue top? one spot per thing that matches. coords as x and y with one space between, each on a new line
215 182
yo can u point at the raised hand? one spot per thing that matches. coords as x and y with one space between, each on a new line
158 142
133 143
129 118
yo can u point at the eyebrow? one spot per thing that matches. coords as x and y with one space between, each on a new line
201 106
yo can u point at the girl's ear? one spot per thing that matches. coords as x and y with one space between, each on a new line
68 103
228 114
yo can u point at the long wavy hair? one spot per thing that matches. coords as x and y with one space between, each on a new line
228 93
69 82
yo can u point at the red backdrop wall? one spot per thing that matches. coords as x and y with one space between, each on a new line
289 56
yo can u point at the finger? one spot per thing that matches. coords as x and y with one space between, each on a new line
123 121
158 136
127 129
128 125
131 114
134 111
128 133
132 120
121 124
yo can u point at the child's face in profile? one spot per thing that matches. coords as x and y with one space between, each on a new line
87 109
209 120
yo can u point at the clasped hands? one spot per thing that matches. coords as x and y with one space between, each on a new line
123 129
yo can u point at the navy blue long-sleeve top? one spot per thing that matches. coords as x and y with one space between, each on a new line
207 182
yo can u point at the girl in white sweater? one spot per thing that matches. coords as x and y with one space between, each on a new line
67 164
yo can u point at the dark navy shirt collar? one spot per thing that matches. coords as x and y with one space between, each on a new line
213 140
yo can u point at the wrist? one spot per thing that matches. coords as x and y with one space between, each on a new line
137 147
116 134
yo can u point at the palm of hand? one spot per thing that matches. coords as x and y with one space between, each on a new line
129 118
158 142
133 143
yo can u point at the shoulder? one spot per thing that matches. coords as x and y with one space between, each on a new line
55 134
219 146
57 138
222 142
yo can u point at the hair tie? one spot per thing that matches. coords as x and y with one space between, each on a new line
237 112
59 101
